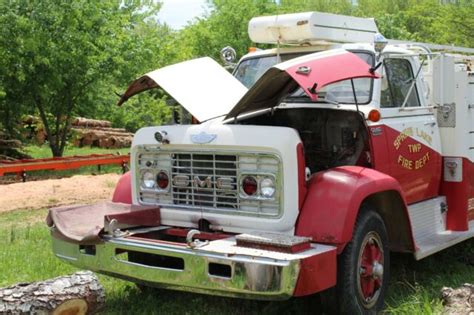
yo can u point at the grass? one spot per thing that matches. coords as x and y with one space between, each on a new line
44 151
25 256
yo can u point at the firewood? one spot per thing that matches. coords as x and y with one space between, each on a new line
80 293
458 300
102 128
81 121
87 141
105 143
13 153
6 158
101 132
10 143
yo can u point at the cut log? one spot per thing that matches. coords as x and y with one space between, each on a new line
101 129
10 143
101 138
13 153
105 143
78 294
81 121
101 132
6 158
459 300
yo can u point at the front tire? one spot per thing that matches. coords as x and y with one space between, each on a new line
363 267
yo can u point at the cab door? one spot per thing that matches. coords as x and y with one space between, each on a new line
411 130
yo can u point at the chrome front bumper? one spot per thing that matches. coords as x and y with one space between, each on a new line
219 268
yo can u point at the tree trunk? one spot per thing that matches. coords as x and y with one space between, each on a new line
77 294
52 141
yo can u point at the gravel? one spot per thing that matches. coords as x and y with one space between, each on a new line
80 189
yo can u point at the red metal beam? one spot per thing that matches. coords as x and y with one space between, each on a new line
61 163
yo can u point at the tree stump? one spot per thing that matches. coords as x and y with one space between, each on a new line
76 294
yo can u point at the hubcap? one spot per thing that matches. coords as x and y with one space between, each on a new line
371 266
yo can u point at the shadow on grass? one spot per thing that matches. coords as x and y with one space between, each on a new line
414 289
130 299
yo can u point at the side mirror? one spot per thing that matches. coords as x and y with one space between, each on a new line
228 56
379 44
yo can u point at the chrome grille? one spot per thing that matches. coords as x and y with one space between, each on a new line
209 181
203 172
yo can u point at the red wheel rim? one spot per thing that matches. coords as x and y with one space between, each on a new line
370 268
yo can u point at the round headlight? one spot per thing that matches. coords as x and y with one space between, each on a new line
148 179
267 188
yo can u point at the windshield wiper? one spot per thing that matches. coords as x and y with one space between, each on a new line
306 99
298 98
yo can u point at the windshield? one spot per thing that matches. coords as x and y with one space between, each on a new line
250 70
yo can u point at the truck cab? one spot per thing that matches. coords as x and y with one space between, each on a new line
310 164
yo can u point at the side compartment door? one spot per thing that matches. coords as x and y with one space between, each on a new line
411 131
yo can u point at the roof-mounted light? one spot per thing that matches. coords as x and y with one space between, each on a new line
311 27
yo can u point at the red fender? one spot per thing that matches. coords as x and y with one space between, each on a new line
329 213
123 190
333 201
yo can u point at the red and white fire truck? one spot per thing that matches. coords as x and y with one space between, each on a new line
311 162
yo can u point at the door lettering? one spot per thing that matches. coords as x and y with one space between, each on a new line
416 148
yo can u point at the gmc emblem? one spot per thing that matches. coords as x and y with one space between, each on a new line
206 183
221 182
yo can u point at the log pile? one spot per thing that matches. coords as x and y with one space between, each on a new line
80 293
99 133
85 132
11 149
90 123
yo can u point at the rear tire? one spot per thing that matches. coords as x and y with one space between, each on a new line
364 267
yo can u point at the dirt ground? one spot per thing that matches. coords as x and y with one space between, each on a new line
78 189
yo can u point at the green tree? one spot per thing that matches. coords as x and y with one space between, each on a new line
224 25
152 45
330 6
57 53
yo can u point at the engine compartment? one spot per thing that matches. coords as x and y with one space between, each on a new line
330 137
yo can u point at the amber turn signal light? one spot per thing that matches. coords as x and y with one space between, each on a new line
374 115
252 49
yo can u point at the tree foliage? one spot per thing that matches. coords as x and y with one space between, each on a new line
56 52
422 20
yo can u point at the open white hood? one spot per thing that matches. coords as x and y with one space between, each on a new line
202 86
207 90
